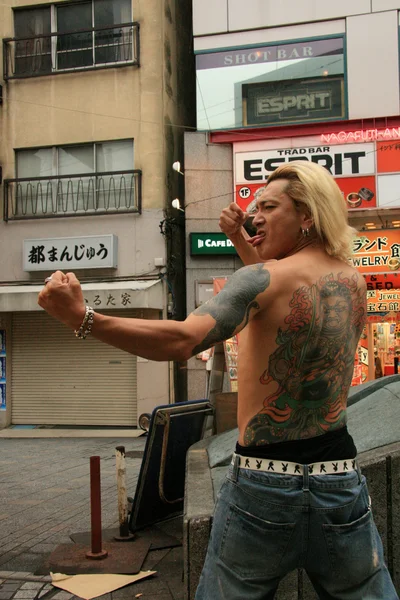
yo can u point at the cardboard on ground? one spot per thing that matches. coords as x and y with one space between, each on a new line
91 586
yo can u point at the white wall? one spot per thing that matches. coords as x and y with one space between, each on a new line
270 13
379 5
210 16
373 65
265 36
220 16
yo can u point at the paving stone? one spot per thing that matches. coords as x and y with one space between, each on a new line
10 586
46 590
32 585
6 595
62 595
25 594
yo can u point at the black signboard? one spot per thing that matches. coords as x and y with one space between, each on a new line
293 101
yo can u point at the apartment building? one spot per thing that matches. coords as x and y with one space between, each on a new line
290 80
95 102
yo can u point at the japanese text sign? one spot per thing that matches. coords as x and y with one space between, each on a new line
377 251
91 252
383 301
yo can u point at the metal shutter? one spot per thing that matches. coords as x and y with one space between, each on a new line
60 380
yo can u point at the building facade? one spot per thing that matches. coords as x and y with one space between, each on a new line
282 81
91 121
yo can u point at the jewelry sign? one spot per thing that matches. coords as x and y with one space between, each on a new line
377 251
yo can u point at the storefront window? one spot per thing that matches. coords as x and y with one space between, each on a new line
296 82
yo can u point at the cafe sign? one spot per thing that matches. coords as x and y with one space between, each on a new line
66 253
210 243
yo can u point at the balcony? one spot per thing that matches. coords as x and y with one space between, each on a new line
82 50
114 192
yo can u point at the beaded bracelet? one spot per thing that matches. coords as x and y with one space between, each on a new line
86 325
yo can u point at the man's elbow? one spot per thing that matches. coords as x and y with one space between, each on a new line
185 352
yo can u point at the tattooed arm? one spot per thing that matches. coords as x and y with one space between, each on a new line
215 321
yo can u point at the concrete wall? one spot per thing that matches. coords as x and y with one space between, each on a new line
208 189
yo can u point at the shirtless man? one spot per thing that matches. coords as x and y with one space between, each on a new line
294 495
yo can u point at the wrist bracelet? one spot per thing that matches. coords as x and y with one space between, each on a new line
86 325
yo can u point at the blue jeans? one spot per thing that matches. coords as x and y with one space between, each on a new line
267 524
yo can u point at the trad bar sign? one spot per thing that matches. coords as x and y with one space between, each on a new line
368 174
66 253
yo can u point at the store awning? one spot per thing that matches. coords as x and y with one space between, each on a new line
104 295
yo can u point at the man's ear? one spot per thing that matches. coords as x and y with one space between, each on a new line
307 222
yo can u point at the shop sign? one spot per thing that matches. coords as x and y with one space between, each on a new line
210 243
361 135
383 301
383 281
377 251
367 174
268 54
292 101
345 160
90 252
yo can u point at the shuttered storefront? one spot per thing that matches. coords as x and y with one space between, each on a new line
60 380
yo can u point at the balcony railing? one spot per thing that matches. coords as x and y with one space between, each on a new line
113 192
85 49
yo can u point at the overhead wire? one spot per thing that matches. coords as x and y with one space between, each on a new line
247 134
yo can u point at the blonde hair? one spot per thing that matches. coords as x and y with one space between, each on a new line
313 187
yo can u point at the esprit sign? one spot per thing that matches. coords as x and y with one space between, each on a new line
349 159
210 243
90 252
301 102
292 101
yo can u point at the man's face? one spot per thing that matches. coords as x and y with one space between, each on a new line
336 313
277 222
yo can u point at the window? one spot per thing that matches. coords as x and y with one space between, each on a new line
294 82
75 179
81 35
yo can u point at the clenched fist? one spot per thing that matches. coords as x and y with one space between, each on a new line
232 219
62 298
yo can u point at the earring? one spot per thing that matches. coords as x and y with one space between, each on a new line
305 232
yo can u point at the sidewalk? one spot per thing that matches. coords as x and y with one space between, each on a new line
44 497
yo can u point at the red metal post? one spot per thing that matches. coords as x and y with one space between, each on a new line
95 509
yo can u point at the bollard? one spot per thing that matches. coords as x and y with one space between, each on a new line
124 534
95 510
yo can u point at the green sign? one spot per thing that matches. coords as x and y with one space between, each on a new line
293 101
210 243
